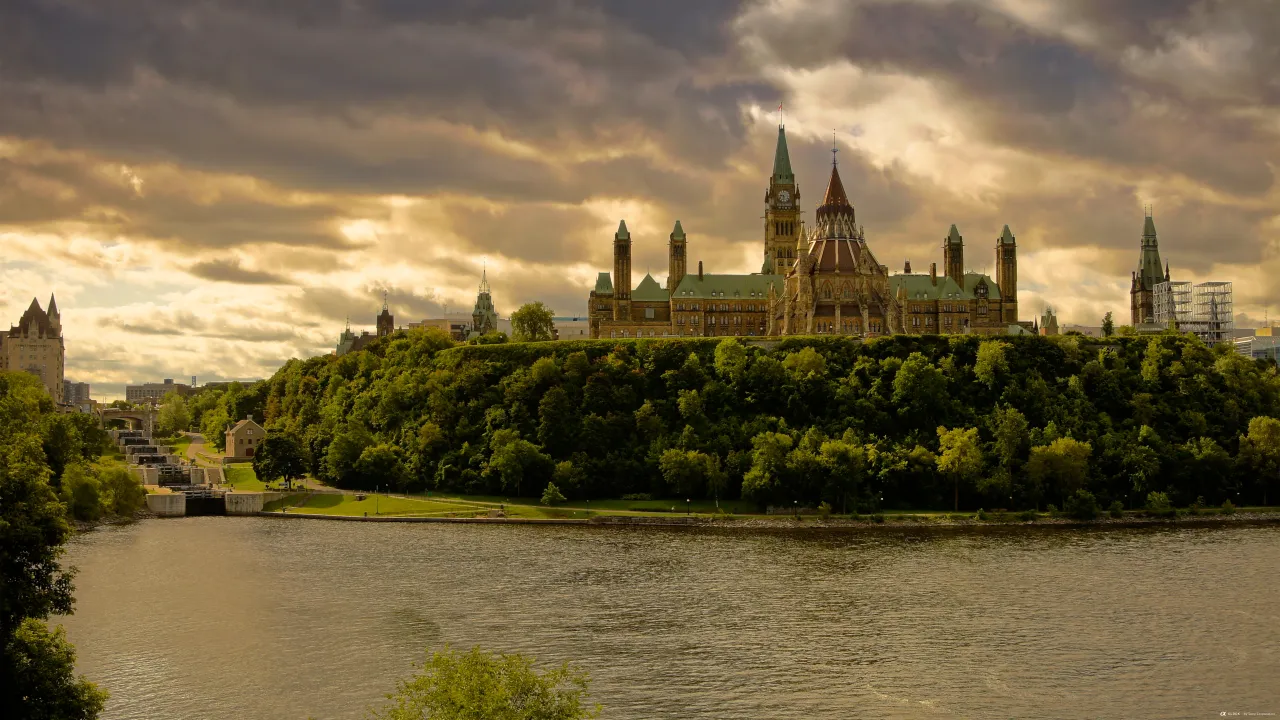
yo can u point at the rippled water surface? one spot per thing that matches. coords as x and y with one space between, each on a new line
256 618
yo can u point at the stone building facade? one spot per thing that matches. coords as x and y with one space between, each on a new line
814 279
243 440
36 345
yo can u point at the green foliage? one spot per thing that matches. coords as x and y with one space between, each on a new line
1116 510
1108 325
281 456
691 473
38 680
1228 508
469 686
1059 468
122 494
532 322
36 665
81 493
552 495
1158 505
493 337
1132 414
1081 505
174 416
959 456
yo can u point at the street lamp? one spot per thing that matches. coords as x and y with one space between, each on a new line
796 505
687 507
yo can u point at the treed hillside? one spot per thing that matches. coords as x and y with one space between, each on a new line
858 425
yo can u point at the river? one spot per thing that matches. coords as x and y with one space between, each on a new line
255 618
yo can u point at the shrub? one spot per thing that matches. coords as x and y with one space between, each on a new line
1028 516
824 510
982 515
1158 505
1082 505
1228 508
1051 509
552 495
82 493
1117 509
877 518
123 494
637 496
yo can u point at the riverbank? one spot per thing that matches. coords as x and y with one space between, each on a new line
891 522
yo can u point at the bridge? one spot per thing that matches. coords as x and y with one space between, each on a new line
141 419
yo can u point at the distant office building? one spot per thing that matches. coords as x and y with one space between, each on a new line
75 393
35 345
1264 344
154 392
572 328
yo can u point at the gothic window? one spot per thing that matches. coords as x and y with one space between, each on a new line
648 313
875 326
947 321
928 322
826 292
915 322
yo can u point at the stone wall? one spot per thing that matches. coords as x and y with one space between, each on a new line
167 504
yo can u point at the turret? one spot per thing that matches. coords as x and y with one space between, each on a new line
953 256
1007 274
676 258
386 321
622 272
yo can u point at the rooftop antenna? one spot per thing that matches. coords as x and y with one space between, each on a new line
834 148
780 123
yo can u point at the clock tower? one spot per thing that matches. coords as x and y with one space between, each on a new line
782 225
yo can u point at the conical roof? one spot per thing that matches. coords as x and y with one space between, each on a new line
835 195
1150 269
622 233
1006 237
678 231
953 237
1149 228
53 304
782 160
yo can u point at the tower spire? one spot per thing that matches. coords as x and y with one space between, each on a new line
834 148
384 301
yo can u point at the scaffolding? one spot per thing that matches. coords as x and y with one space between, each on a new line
1204 309
1172 303
1212 315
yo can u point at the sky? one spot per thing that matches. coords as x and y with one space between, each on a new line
213 188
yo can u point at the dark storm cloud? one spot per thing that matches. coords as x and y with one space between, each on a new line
1043 92
230 271
362 306
198 81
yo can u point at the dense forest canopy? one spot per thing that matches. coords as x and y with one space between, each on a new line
896 422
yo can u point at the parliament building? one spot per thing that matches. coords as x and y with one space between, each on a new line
816 278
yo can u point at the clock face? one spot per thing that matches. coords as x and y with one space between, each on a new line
784 197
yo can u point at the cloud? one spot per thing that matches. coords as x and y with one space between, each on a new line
231 271
215 187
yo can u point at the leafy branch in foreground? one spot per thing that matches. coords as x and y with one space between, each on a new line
478 685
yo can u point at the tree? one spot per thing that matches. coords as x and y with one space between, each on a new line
959 456
281 456
846 463
123 494
81 492
1261 449
174 416
36 664
690 472
213 426
381 466
343 454
763 481
1108 325
731 360
1011 441
1061 466
805 363
532 323
477 684
552 495
61 443
1081 506
991 363
38 679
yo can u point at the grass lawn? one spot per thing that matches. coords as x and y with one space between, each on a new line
242 477
347 504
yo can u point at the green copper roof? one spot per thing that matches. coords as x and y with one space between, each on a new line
622 233
1150 271
921 287
603 284
729 287
782 160
649 291
954 236
1006 237
679 231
